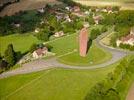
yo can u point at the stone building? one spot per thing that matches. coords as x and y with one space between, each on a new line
83 42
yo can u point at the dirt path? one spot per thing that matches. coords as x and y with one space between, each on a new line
130 95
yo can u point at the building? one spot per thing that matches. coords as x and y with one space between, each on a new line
40 52
59 34
41 10
76 9
97 19
37 30
129 39
83 42
86 25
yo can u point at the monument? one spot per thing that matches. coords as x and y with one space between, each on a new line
83 41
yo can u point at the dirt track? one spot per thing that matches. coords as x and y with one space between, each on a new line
25 5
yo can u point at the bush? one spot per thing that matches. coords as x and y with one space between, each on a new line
10 55
94 33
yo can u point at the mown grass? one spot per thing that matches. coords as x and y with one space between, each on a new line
54 84
94 56
21 42
70 43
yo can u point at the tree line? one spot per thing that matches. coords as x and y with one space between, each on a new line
116 83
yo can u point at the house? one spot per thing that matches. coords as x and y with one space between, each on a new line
129 39
76 9
67 18
67 8
109 9
37 30
86 25
41 10
59 34
87 12
40 52
16 24
97 19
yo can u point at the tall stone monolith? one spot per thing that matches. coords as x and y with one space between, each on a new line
83 42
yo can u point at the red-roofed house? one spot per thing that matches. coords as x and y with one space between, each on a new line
76 9
40 52
129 39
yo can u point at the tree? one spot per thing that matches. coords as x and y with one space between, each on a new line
44 35
10 55
33 48
94 33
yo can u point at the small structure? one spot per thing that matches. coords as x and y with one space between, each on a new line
83 42
59 34
40 52
86 25
16 24
109 9
67 8
97 19
76 9
129 39
37 30
67 18
41 10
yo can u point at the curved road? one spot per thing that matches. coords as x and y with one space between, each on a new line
40 64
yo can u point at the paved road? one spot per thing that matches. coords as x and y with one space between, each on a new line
40 64
130 95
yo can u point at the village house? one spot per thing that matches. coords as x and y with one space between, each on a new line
15 24
109 9
40 52
97 19
76 9
41 10
67 18
129 39
67 8
86 25
37 30
59 34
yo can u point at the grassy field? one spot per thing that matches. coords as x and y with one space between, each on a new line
124 4
21 42
54 84
70 43
94 56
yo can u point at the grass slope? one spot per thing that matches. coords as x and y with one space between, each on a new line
21 42
70 43
55 84
124 4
